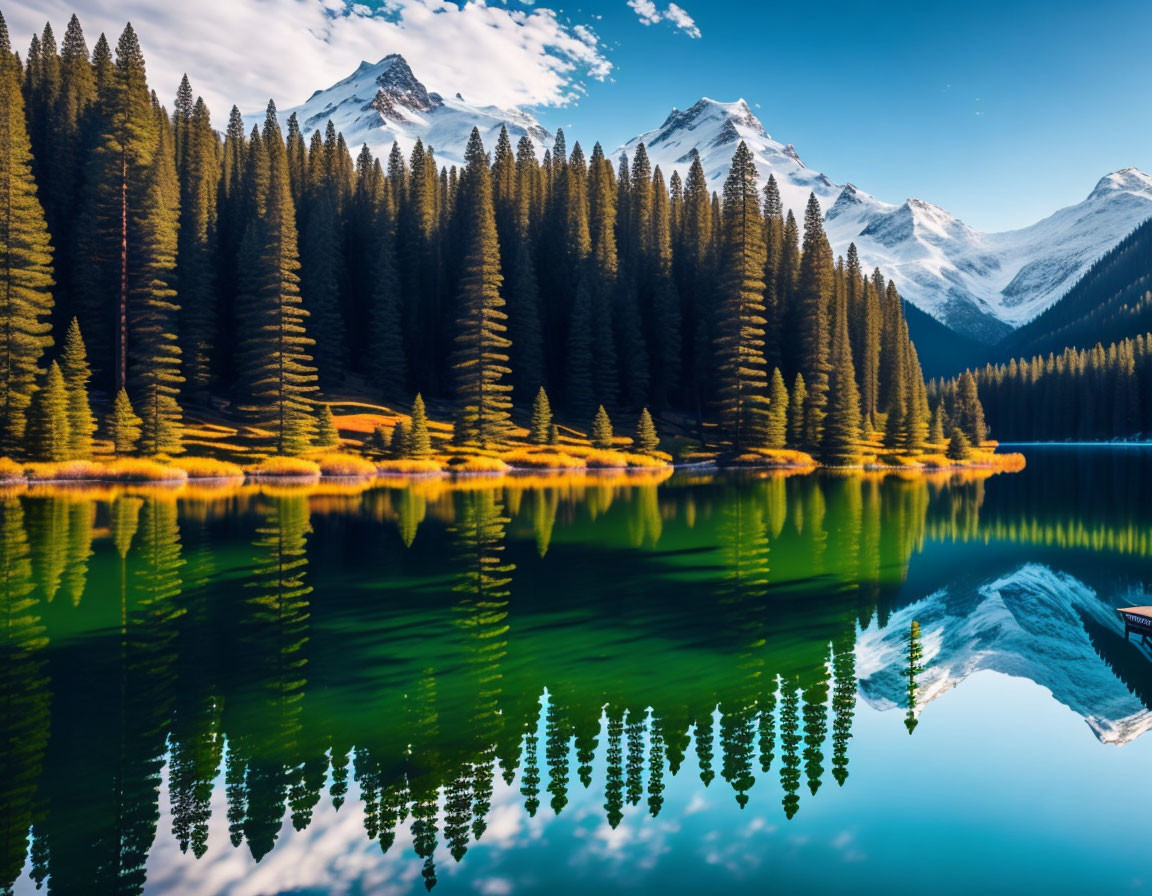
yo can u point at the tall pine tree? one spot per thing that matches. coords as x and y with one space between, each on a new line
25 259
278 377
481 345
152 310
741 370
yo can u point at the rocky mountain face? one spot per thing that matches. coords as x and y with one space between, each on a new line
385 102
1034 623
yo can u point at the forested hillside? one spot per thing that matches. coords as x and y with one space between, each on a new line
150 267
1095 394
1111 302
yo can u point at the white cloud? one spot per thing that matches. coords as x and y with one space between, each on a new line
244 51
649 14
646 10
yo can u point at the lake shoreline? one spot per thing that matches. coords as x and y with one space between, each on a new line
298 475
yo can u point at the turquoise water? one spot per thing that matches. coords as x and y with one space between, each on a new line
707 683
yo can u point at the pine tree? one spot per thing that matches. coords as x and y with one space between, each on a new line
743 377
118 178
969 411
387 364
553 435
894 422
419 441
277 373
916 410
773 255
481 346
815 287
936 426
600 276
199 175
401 444
47 436
665 303
959 447
695 264
321 257
25 259
841 437
155 369
524 327
601 430
797 401
122 425
646 441
541 419
379 441
65 158
327 436
776 434
74 365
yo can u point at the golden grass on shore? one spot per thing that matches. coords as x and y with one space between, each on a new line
341 464
209 468
284 466
542 459
138 469
408 467
476 463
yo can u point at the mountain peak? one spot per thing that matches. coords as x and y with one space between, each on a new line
1126 180
399 92
384 102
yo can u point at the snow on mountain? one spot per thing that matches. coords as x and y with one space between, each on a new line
714 130
381 103
981 284
1033 623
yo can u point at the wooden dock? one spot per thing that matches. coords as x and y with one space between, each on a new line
1138 620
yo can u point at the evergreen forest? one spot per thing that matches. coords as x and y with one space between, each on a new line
155 272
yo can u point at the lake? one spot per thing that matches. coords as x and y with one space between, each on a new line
702 684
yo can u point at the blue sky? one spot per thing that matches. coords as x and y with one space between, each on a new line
999 112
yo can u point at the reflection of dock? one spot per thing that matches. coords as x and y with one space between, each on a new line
1137 620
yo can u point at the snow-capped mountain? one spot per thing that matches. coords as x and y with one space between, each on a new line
1034 623
981 284
381 103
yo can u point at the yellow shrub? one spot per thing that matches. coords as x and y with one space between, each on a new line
646 461
70 470
345 465
285 466
140 469
477 463
409 466
10 470
209 468
598 459
543 460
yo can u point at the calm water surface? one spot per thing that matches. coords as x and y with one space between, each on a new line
707 684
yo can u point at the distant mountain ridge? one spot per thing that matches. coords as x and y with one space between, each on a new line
981 285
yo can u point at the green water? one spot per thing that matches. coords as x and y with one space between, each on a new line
707 684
